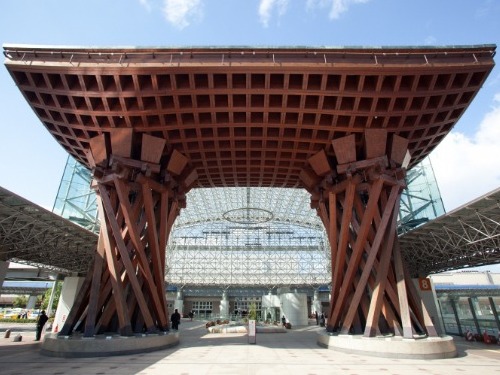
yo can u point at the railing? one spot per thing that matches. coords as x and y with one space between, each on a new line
236 55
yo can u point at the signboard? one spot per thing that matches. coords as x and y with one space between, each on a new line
251 332
424 283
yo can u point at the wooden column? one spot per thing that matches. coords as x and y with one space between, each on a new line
138 201
359 191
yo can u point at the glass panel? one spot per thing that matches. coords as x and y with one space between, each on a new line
485 316
421 200
75 200
449 321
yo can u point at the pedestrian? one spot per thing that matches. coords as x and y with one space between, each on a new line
283 320
176 320
191 315
42 319
322 320
317 317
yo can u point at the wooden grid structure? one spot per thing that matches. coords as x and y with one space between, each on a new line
249 117
342 123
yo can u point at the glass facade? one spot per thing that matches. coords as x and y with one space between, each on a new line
464 310
202 308
75 200
421 200
266 237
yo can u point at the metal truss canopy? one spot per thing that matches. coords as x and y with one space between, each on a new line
32 235
466 237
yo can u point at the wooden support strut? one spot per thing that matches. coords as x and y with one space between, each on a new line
342 245
138 201
125 327
357 251
371 291
134 234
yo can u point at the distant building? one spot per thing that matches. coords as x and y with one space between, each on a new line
468 300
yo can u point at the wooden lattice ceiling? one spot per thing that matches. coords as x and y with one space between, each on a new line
250 117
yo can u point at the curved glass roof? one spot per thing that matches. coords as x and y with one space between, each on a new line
248 236
248 205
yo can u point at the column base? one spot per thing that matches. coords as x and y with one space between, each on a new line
77 346
390 347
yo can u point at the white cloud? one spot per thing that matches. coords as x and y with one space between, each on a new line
180 13
337 7
266 7
146 4
468 167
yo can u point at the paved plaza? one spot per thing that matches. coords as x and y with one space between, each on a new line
293 352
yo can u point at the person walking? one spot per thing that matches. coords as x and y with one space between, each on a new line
175 319
42 319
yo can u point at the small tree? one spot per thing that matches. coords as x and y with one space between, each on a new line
252 313
20 301
46 297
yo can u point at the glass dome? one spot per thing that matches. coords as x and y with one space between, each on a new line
248 236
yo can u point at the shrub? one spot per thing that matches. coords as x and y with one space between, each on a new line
17 320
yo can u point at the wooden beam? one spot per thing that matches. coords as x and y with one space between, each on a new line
372 253
156 186
99 150
399 147
333 231
342 245
375 142
134 234
163 222
172 215
387 234
121 142
402 292
309 178
345 149
188 178
357 251
342 186
363 164
156 261
118 295
136 164
152 148
177 163
124 258
89 330
319 163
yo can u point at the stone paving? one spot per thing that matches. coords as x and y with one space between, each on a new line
293 352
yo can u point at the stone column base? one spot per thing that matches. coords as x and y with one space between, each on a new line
76 346
391 347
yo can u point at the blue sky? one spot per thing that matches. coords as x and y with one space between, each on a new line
31 162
